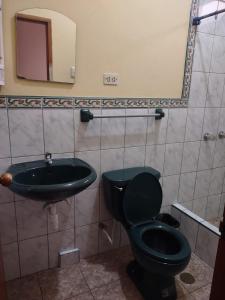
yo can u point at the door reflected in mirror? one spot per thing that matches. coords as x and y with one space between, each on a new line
45 46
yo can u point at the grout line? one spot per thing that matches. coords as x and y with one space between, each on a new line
203 124
99 186
14 202
84 278
182 157
146 136
40 287
204 286
18 241
47 214
207 93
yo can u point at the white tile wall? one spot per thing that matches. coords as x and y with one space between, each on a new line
136 128
4 134
203 52
87 207
57 242
11 261
134 156
60 121
206 237
205 7
113 130
30 212
33 255
192 169
202 237
173 158
87 239
190 228
26 132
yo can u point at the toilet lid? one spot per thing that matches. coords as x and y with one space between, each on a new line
142 199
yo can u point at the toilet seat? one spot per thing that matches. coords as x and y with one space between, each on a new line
171 254
143 199
155 240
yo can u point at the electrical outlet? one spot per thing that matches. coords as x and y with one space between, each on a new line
111 78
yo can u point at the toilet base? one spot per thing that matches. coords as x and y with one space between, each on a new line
152 286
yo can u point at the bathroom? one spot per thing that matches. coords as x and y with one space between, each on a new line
145 88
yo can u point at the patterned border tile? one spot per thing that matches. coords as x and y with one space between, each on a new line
87 102
58 102
190 51
168 103
112 103
29 102
107 102
24 102
3 101
138 102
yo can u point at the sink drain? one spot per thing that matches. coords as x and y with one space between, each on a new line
187 278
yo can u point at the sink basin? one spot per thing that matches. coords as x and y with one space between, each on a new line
52 183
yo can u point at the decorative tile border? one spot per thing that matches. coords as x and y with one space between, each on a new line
2 102
64 102
87 102
108 102
24 102
58 103
190 51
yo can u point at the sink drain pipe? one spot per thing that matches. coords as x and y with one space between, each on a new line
52 212
54 216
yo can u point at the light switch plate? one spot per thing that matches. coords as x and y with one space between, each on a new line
111 78
72 72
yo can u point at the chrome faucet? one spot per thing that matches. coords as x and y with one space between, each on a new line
48 158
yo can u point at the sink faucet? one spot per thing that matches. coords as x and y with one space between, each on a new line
48 158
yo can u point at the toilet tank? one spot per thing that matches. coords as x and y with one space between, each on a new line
114 186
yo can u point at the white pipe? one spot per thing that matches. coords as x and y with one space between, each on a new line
103 227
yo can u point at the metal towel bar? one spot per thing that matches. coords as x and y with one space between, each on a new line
86 115
197 20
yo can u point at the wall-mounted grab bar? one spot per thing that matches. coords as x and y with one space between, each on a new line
197 20
86 115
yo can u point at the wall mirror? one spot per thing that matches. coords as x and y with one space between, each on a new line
45 46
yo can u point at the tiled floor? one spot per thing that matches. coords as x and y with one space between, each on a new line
102 277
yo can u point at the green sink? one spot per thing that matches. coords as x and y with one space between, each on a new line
51 183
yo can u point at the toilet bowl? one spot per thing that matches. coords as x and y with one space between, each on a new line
160 250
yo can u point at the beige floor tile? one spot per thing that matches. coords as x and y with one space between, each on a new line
123 289
85 296
60 284
200 271
181 291
186 297
26 288
105 268
106 276
200 294
203 293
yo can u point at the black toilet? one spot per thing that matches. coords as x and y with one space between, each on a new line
134 197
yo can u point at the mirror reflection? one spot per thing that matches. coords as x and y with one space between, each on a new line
45 46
